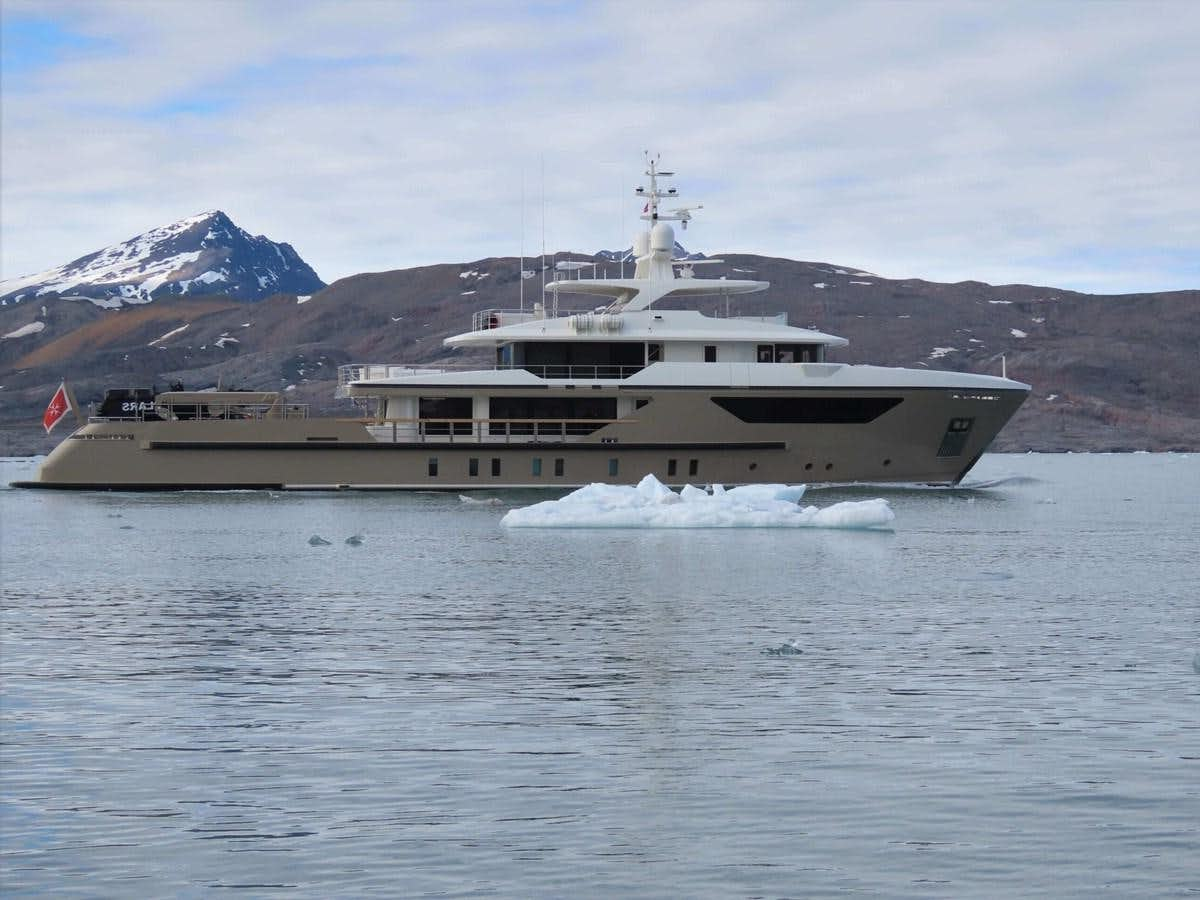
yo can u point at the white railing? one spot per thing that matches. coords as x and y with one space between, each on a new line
378 372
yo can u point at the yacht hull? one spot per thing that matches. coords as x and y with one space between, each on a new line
682 436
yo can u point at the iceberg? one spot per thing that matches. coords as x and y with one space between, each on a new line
651 504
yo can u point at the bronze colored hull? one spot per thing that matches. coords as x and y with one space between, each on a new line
908 443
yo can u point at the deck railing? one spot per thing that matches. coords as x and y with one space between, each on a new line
207 411
378 371
484 431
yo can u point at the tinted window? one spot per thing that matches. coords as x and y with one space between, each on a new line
807 410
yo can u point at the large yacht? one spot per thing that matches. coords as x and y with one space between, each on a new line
609 390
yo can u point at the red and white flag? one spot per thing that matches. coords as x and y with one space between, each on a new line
60 405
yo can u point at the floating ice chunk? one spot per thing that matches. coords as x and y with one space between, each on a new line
1017 333
759 494
317 541
651 504
820 285
480 501
787 648
355 540
304 298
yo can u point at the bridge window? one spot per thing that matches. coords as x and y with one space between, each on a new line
473 466
710 353
790 353
581 359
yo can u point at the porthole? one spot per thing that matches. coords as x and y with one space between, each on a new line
753 466
807 467
887 462
828 466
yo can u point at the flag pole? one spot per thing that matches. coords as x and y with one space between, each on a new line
79 417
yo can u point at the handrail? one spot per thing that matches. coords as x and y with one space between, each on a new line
486 430
348 374
487 319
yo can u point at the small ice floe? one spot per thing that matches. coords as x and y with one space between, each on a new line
317 541
355 540
1196 663
820 285
651 504
1017 333
480 501
126 528
787 648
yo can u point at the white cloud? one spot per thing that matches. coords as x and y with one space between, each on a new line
1048 143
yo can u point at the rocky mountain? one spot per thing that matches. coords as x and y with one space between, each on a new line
204 254
1108 372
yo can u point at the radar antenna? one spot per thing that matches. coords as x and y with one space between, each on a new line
655 195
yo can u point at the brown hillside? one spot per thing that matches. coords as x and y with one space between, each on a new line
119 328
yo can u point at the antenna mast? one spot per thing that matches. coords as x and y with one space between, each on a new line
521 270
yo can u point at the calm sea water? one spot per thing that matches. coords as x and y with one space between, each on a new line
999 697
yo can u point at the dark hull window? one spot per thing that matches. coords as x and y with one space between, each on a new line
807 410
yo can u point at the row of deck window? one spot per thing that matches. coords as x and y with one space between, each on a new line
535 467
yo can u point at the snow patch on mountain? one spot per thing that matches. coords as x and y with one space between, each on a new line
205 253
24 331
169 334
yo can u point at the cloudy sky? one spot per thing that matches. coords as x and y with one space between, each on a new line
1050 143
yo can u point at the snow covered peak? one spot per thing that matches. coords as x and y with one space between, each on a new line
201 254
